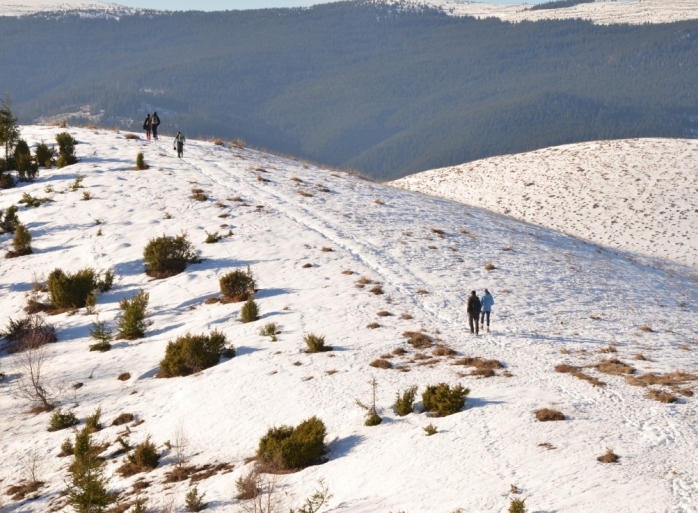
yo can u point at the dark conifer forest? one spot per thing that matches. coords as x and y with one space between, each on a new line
359 85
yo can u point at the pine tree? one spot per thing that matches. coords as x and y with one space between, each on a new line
9 130
87 492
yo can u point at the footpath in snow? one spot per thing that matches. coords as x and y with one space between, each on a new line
559 300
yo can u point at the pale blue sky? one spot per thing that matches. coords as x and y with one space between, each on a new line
220 5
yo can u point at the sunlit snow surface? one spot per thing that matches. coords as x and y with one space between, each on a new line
546 287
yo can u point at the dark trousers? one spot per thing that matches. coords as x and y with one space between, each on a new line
155 131
473 318
180 149
482 320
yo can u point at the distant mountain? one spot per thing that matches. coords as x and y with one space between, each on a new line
386 89
81 7
637 195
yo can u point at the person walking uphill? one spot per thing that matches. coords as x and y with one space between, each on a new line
147 126
155 123
473 309
487 302
179 144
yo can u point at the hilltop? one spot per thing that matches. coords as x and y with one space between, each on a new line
635 195
313 237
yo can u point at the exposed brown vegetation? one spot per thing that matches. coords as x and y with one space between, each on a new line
418 340
399 351
325 249
661 396
124 376
614 367
574 371
609 457
307 266
373 325
383 313
548 415
377 290
479 363
442 350
646 329
640 356
305 194
422 292
347 272
20 491
380 363
547 445
124 418
670 379
489 266
406 317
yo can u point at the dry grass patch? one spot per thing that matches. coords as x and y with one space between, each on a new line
548 415
399 351
296 179
479 363
610 348
418 340
670 379
574 371
379 202
373 326
198 195
307 266
646 329
384 313
640 356
305 194
330 372
377 290
609 457
442 350
614 367
406 317
131 136
124 418
380 363
347 272
489 266
661 396
547 445
422 292
20 491
124 376
363 281
325 249
438 232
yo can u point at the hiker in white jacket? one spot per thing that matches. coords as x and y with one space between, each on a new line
487 302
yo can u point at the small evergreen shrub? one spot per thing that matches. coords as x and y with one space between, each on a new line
32 202
93 423
102 334
131 322
250 311
140 162
26 169
212 238
87 492
168 256
30 332
289 448
194 502
43 155
60 420
6 181
271 329
71 290
192 353
107 283
66 448
21 243
144 458
443 400
430 430
66 149
316 343
517 506
404 403
10 220
238 285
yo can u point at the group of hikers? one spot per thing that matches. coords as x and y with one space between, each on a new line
151 124
478 310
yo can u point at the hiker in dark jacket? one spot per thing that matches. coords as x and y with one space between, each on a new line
155 123
147 126
473 309
487 302
179 144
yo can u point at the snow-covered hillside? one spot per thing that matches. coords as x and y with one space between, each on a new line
639 195
558 300
85 7
634 12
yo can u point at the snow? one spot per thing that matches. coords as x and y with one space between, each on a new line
26 7
633 12
635 195
545 287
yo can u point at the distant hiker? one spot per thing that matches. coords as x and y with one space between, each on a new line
179 144
155 123
147 126
473 309
487 301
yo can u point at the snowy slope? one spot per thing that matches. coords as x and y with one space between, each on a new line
88 7
638 195
546 287
634 12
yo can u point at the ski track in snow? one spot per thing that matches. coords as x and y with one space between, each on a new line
546 288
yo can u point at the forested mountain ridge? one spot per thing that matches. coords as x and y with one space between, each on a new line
384 90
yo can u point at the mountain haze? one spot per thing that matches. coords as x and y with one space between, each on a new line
385 89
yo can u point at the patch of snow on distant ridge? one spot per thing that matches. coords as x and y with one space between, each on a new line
28 7
635 12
